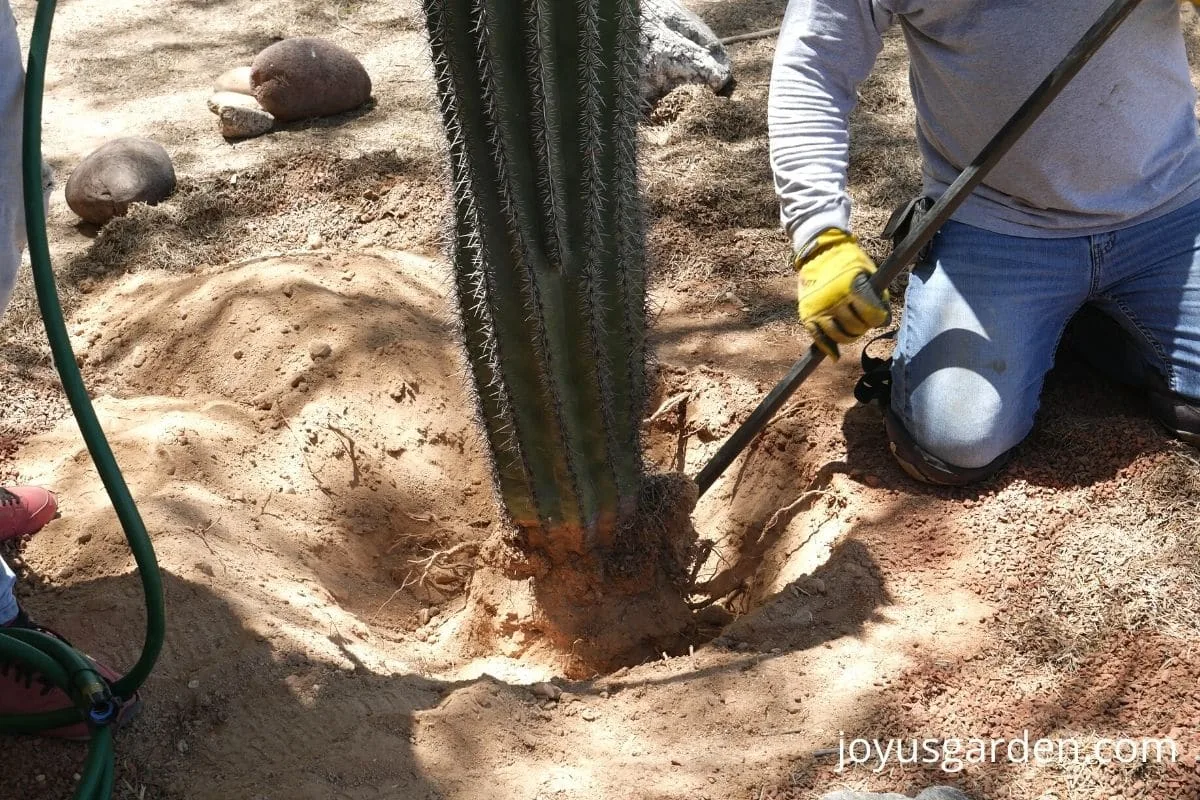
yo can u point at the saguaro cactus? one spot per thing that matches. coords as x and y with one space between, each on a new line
540 100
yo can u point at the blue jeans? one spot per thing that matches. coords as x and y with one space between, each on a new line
12 208
12 214
985 312
8 601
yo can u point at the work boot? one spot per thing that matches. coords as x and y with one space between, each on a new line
927 468
24 510
23 691
1100 341
1178 414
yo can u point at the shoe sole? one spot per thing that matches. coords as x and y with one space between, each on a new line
127 714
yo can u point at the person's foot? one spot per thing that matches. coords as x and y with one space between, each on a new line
23 691
25 510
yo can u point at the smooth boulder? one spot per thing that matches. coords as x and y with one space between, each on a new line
308 77
234 80
677 48
117 174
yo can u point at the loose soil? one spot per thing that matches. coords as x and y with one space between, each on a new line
270 353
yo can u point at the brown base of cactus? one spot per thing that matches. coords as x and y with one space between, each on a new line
592 610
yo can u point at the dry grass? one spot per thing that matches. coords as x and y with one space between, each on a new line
386 198
277 206
1111 576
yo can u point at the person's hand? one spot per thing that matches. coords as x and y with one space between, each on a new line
837 302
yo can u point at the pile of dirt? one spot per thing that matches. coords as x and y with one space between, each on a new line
287 404
296 435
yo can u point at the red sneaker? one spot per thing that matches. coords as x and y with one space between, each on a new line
23 691
24 510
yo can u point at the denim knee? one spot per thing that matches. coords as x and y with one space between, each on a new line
959 417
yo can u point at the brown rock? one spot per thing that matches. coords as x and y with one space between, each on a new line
546 691
121 172
308 77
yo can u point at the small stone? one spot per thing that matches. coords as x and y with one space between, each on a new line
40 778
234 80
589 715
206 568
288 290
182 746
872 480
546 691
263 402
237 354
193 684
423 616
84 538
244 122
942 793
811 585
220 100
118 174
319 350
314 240
308 77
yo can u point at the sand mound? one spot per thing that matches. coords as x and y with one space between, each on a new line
302 408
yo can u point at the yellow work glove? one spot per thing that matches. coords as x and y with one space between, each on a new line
837 302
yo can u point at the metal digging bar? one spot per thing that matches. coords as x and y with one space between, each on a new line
946 205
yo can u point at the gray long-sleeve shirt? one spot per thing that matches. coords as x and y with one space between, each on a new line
1118 146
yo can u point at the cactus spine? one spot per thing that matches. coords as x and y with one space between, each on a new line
540 103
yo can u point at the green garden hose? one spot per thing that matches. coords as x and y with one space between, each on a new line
95 701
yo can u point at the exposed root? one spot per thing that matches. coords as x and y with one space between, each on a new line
731 580
441 569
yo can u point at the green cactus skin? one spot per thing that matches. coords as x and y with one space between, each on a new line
540 103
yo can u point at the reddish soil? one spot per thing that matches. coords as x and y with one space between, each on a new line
318 515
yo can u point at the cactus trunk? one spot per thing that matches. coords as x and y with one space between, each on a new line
540 101
539 98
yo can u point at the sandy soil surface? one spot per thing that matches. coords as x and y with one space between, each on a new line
270 354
